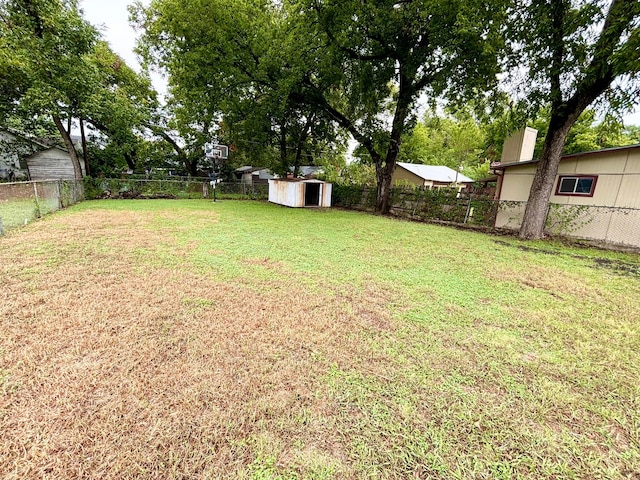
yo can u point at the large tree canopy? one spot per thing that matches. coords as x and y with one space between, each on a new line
44 44
233 70
121 103
379 57
55 67
280 71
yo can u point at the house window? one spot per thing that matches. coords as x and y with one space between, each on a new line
581 185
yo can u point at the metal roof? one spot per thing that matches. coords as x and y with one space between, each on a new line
436 173
250 169
307 170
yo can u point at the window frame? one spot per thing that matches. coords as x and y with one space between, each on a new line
577 177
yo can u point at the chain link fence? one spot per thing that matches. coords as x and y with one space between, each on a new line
191 188
242 191
442 205
610 225
23 202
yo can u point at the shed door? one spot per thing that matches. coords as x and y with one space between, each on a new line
312 194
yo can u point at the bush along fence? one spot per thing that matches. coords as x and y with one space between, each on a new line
439 205
191 188
23 202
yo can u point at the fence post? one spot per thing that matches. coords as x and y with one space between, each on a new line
466 215
417 201
37 208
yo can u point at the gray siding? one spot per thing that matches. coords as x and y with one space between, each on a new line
52 164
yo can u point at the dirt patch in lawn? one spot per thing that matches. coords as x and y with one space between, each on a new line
113 369
617 266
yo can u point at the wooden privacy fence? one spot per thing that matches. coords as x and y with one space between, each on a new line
23 202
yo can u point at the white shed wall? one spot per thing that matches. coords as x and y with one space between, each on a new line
292 193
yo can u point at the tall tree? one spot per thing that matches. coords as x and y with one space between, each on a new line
121 104
230 61
576 52
45 42
381 56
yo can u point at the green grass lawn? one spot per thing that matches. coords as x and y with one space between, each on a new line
16 213
238 339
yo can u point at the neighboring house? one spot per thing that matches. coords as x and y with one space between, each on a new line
308 171
428 176
13 149
596 195
22 158
254 175
53 163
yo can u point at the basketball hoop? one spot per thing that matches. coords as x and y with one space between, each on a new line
220 151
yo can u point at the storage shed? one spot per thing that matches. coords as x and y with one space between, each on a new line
295 192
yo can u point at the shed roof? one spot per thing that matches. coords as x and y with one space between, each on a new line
436 173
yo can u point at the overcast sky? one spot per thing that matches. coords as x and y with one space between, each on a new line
113 19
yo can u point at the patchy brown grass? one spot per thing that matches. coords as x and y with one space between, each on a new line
139 341
112 370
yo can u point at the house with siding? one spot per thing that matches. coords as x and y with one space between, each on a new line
22 157
13 150
427 176
596 195
53 163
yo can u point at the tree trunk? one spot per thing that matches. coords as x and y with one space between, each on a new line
77 169
385 173
192 167
383 197
306 131
283 151
597 78
85 150
129 157
535 214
